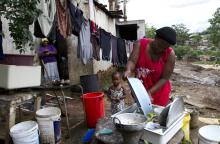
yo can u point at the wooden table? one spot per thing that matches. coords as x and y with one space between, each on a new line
116 137
10 101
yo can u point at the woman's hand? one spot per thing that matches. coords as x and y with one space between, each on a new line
126 74
47 53
151 97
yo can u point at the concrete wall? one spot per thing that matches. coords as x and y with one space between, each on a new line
140 24
141 29
107 23
76 68
8 45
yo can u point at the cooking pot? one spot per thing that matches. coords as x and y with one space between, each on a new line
130 122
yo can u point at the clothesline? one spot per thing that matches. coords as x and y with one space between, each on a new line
65 18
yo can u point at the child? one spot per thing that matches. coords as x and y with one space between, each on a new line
116 93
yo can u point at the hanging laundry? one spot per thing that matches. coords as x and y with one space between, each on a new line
62 57
53 32
131 46
127 47
114 47
1 41
93 27
39 34
76 16
95 40
96 48
46 18
84 50
63 18
105 38
37 30
122 55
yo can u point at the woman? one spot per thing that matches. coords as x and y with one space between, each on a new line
153 62
48 54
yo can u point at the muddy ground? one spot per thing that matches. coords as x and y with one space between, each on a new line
199 87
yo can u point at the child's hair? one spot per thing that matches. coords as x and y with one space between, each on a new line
115 73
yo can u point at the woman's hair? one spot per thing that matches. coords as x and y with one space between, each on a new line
168 34
116 73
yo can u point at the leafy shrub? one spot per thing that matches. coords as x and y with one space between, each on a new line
181 51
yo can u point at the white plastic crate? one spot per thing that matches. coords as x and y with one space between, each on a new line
13 77
156 137
159 137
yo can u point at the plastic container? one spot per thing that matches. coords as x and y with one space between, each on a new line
90 83
25 133
209 134
93 107
12 77
156 136
50 125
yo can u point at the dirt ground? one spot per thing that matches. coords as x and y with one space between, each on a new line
201 90
199 87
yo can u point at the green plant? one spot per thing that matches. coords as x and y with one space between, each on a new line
181 51
21 14
193 55
150 31
217 62
182 33
214 29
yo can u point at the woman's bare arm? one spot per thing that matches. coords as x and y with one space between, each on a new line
132 60
168 70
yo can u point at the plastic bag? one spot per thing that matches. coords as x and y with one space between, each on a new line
186 128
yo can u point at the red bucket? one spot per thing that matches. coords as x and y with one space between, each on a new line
93 107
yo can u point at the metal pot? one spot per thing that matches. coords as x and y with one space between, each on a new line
130 122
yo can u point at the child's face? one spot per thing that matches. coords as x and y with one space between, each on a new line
116 80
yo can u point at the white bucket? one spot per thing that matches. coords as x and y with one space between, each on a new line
50 125
209 134
25 133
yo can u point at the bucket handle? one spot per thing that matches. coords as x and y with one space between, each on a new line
119 125
116 119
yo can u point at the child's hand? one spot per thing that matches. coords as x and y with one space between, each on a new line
115 99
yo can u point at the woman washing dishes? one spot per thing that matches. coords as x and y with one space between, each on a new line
153 63
48 54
